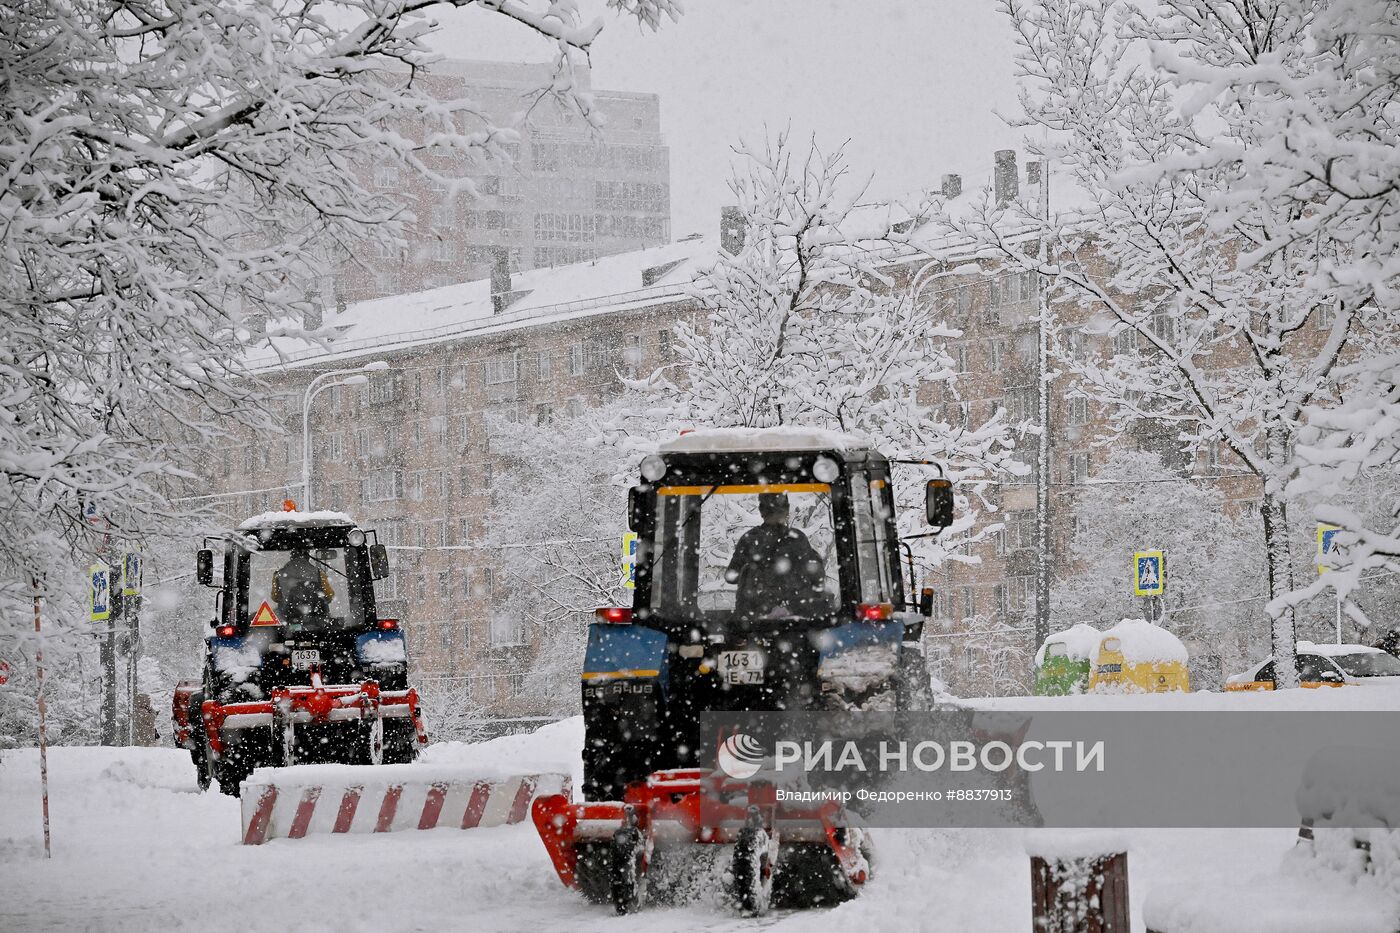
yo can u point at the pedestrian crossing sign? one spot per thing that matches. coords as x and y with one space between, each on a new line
1326 543
1149 573
100 591
629 560
265 616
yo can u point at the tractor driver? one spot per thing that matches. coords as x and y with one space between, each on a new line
778 571
302 591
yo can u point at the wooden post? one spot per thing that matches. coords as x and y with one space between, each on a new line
1080 895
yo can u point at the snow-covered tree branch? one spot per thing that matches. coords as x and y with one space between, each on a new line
171 178
1183 242
803 326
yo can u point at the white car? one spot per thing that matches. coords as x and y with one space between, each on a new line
1325 666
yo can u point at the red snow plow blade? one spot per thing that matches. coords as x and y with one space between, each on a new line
785 853
290 707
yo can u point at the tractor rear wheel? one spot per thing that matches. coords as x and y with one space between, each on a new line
593 871
751 872
628 870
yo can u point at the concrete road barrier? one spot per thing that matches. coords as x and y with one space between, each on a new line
319 799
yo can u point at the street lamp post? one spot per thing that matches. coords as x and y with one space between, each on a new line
356 377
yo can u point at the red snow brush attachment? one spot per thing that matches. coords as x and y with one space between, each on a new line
615 615
693 806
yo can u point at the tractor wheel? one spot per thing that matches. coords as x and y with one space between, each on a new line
400 742
593 871
808 875
628 870
751 872
203 766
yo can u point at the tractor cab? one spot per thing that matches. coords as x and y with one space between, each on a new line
298 667
768 577
297 594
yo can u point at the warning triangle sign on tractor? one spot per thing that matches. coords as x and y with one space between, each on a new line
265 615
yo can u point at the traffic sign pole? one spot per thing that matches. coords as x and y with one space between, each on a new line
43 727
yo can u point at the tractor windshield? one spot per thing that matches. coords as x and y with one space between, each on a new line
760 550
305 589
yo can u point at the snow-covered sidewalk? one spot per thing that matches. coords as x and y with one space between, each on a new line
137 848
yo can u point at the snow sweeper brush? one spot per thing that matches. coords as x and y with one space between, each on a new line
648 845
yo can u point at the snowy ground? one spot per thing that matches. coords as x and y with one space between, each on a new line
136 847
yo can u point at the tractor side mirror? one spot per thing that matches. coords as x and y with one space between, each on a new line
204 567
938 502
378 562
637 506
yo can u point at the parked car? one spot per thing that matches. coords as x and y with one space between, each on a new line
1325 666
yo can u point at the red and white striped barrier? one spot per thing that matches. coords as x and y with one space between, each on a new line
282 803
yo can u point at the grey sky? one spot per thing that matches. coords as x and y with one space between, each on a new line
912 83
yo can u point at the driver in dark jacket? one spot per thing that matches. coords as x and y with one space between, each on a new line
301 591
777 569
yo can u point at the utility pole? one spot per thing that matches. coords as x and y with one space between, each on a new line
1042 449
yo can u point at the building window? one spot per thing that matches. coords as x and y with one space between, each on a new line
384 485
1078 409
1020 529
1021 404
969 602
444 584
1022 593
382 389
632 353
1078 468
998 351
443 250
1325 315
663 341
544 364
501 369
544 414
386 176
1125 340
576 360
335 448
575 406
445 635
507 631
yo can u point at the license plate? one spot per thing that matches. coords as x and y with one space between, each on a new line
741 667
303 659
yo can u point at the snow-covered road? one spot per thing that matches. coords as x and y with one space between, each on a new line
137 848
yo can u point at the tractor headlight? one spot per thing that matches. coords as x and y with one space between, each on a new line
653 468
356 538
826 470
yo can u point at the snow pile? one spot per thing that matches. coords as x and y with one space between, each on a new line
382 651
1145 643
1344 786
777 438
555 747
279 517
1081 643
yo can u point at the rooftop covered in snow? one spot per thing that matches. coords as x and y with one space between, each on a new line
626 280
779 438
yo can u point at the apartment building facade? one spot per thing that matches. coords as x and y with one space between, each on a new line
562 195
